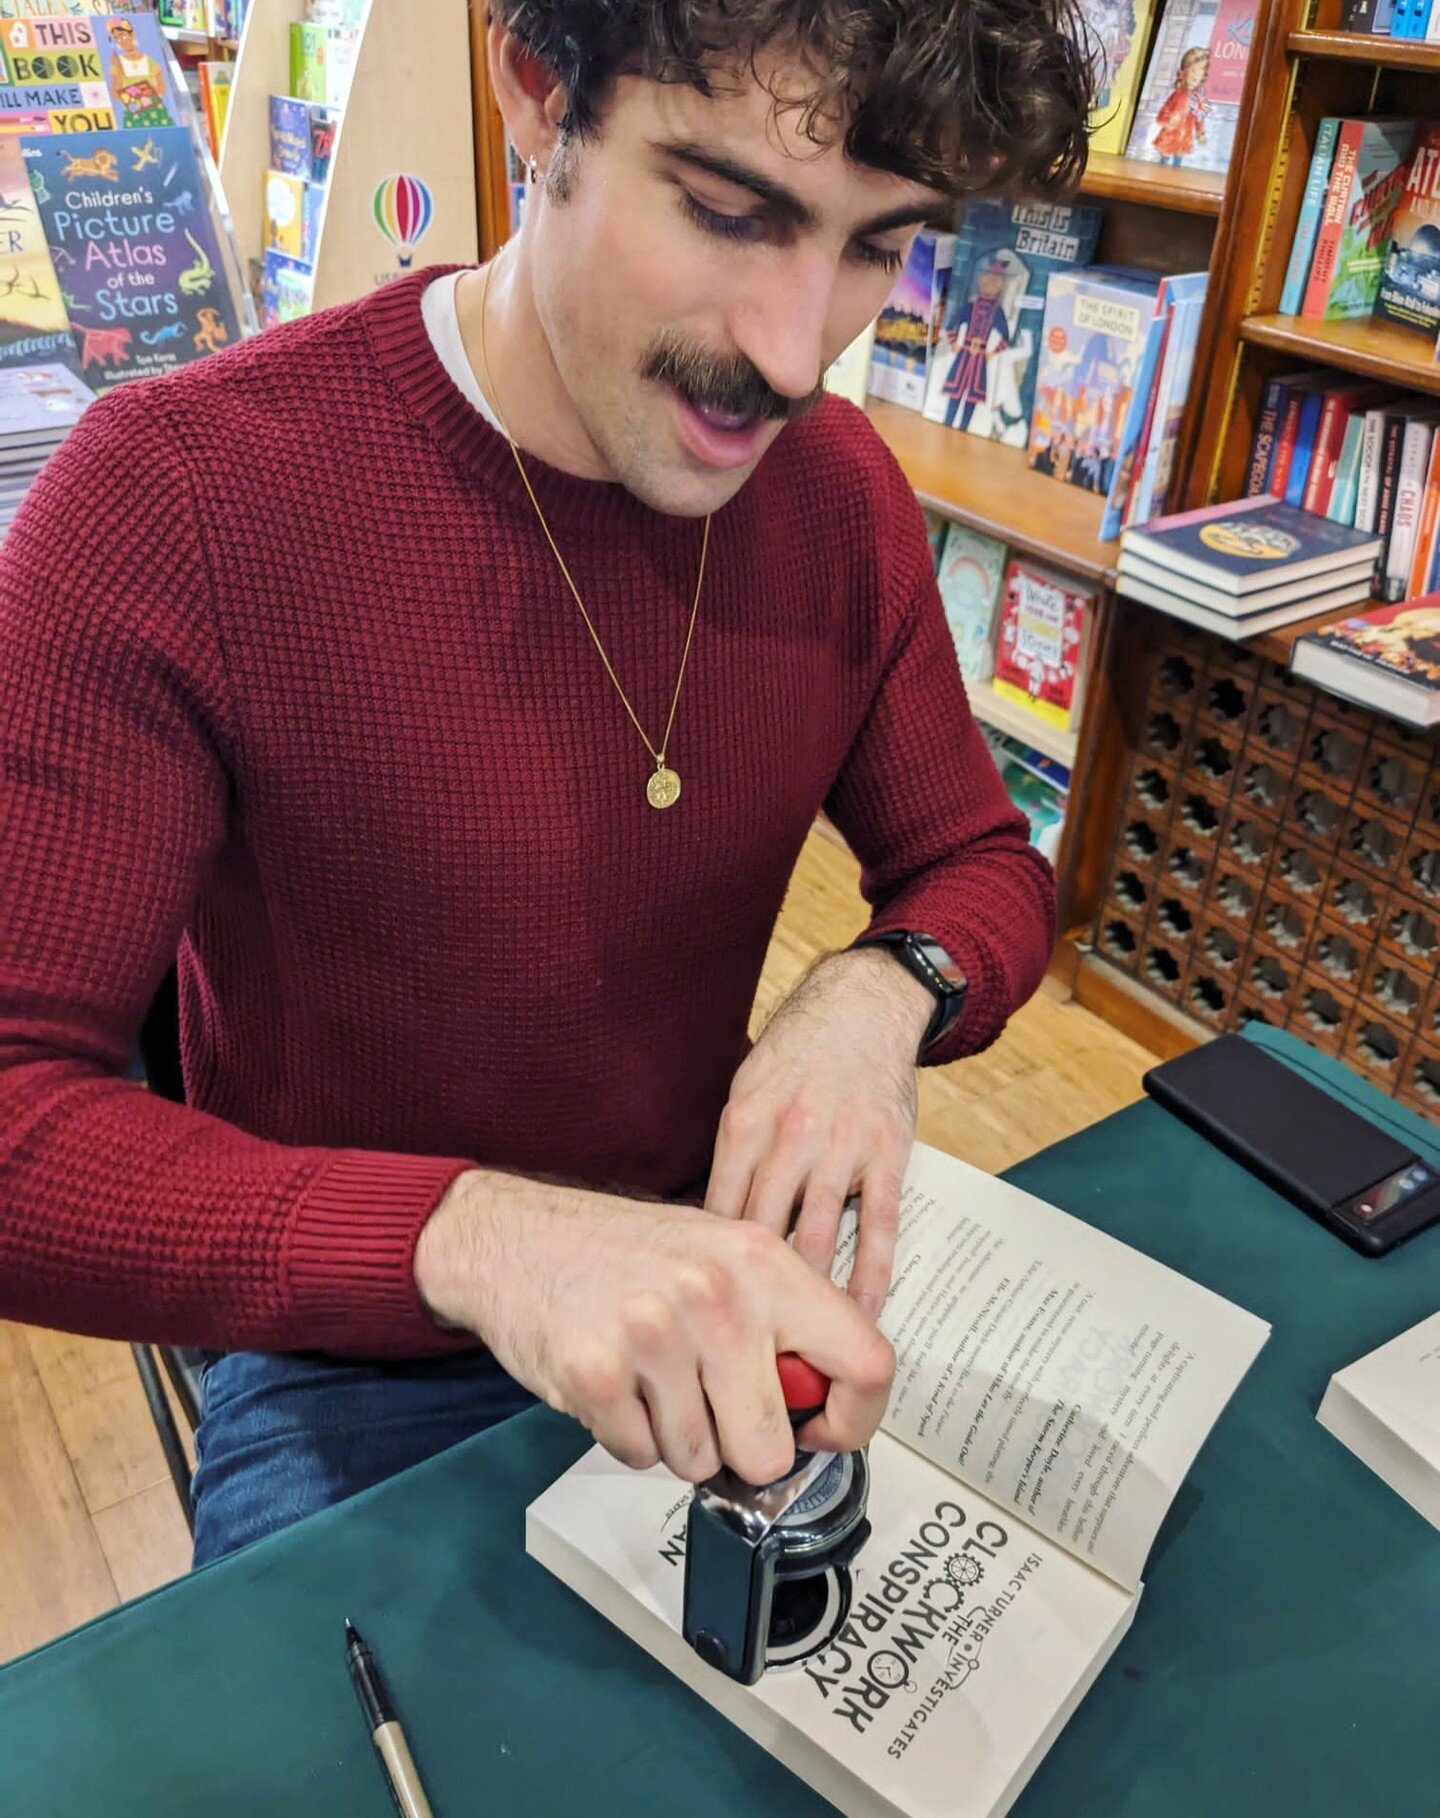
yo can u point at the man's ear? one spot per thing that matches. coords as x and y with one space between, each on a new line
531 97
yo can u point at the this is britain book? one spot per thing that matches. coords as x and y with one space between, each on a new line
136 251
982 369
1409 290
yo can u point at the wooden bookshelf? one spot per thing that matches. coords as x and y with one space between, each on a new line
1303 68
1360 47
991 488
1019 723
1378 350
1191 192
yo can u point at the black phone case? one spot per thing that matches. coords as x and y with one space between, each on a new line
1294 1136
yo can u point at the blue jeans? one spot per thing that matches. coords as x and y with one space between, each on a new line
283 1436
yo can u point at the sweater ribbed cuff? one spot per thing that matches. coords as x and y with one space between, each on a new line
350 1255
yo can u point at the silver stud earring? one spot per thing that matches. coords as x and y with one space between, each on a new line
533 171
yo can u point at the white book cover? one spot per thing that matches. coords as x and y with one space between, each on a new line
1052 1388
1414 462
1386 1408
1367 496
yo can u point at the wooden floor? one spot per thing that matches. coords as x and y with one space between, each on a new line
88 1517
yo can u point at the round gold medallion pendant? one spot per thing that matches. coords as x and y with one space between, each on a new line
663 789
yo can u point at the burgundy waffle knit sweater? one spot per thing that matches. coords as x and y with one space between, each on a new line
289 681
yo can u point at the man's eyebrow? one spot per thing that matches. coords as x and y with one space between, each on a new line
784 202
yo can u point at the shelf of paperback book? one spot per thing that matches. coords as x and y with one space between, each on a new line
1192 192
992 488
1363 47
1379 350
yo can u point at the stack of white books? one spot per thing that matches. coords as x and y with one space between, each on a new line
1386 1408
1247 567
39 406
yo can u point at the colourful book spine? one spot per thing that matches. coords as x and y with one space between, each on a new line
1262 449
1332 218
1310 407
1170 406
1389 477
1376 185
1285 442
1312 205
1320 480
1367 481
1425 530
1409 488
1341 509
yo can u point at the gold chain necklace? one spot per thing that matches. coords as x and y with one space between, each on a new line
662 790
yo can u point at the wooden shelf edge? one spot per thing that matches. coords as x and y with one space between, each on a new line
1372 349
1127 1006
1361 47
989 487
1191 192
1019 723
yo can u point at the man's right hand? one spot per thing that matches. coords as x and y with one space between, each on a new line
656 1326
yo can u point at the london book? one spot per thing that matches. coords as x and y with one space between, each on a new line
1052 1389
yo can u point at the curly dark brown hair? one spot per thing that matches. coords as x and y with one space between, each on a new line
960 95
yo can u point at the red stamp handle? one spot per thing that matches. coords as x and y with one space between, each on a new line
803 1386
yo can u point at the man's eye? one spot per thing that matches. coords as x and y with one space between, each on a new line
726 227
879 256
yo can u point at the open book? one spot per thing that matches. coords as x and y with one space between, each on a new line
1386 1408
1053 1387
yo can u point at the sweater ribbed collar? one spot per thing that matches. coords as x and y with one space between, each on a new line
394 324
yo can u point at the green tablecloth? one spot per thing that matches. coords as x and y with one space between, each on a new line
1285 1659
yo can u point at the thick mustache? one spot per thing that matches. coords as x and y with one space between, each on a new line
730 385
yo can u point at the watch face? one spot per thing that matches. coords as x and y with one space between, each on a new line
937 956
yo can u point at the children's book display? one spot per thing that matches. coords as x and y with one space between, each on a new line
970 570
1040 642
76 74
1038 785
1052 1389
982 369
1119 35
34 323
132 240
1096 325
1190 103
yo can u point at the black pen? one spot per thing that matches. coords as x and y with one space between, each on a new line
385 1731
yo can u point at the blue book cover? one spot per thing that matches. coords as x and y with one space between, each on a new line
1267 430
302 138
1248 544
135 250
1310 408
1312 206
1183 286
1174 388
983 370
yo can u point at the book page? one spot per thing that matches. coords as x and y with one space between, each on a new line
1057 1371
968 1643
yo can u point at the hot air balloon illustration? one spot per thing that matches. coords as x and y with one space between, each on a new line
404 209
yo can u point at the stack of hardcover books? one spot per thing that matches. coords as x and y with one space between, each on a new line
39 406
1247 567
1387 658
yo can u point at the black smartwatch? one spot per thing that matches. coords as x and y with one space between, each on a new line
928 961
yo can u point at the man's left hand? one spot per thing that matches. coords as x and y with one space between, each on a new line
823 1106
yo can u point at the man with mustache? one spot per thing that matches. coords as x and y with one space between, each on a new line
458 708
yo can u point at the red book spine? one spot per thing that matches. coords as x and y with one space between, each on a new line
1332 219
1329 437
